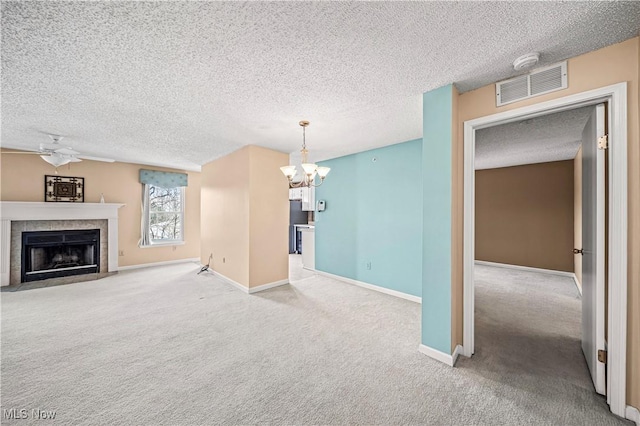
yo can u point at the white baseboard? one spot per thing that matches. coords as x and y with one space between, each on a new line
268 286
459 350
230 281
578 286
633 414
526 268
247 289
445 358
166 262
373 287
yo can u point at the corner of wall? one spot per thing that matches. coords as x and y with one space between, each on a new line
268 217
224 213
457 227
438 200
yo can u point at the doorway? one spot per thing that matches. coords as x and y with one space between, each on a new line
528 304
301 236
615 98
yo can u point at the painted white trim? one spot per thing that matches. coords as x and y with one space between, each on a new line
248 290
150 265
445 358
617 333
525 268
230 281
268 286
459 350
616 96
35 210
5 252
577 283
469 240
163 244
632 413
373 287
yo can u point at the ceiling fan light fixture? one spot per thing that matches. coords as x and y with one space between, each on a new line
55 160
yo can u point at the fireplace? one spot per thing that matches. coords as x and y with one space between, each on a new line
18 217
50 254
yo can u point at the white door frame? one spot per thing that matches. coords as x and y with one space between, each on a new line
616 98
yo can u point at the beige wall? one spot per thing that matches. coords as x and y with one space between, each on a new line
457 225
245 216
225 215
577 214
610 65
23 180
269 214
524 215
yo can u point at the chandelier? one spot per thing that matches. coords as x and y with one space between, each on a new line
310 169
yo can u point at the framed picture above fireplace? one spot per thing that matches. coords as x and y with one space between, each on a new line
64 189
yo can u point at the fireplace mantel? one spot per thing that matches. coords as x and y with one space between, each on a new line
23 210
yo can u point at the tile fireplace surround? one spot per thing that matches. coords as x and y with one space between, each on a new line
17 211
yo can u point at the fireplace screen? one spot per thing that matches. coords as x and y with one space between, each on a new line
49 254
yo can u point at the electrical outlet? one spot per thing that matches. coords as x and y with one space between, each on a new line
223 260
368 265
120 252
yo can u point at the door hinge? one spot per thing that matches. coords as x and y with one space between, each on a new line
602 356
603 142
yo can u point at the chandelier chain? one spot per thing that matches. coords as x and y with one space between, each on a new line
304 137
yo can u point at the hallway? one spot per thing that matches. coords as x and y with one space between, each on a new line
528 328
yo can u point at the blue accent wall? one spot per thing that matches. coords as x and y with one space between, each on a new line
437 195
373 215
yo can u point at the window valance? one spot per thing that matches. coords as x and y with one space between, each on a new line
163 179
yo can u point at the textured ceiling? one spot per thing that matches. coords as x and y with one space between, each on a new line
553 137
182 83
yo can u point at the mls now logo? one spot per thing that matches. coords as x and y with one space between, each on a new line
23 413
15 414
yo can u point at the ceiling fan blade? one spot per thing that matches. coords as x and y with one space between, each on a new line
88 157
67 151
21 152
50 146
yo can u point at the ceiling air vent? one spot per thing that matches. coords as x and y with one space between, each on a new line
538 82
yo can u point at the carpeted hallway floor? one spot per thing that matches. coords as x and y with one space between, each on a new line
167 346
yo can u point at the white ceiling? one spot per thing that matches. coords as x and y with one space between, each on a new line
553 137
182 83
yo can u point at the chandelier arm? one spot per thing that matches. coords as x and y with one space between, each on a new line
315 186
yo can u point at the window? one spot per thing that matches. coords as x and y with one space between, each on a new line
162 207
166 214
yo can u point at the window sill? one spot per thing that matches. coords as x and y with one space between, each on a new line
163 244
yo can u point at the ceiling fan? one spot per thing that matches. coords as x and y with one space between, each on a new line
58 155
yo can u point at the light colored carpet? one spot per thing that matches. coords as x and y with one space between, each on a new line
165 346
